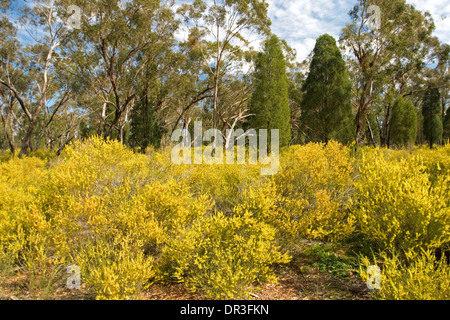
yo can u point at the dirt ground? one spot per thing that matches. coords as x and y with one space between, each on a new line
301 279
292 285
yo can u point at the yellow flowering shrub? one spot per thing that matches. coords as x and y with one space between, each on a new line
95 167
27 240
437 163
223 256
268 206
42 154
315 182
397 206
130 219
421 277
115 268
118 198
125 219
226 184
23 227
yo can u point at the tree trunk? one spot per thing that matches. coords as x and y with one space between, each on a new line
385 132
102 121
26 142
361 126
116 119
371 133
364 102
216 81
10 139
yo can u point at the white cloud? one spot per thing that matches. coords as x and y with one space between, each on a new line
440 11
300 22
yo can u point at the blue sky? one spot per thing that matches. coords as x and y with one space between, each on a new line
300 22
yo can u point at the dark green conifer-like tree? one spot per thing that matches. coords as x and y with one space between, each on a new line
446 126
326 111
269 103
403 124
432 116
145 125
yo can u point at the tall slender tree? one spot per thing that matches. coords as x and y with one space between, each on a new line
145 125
432 115
446 127
326 107
403 124
269 103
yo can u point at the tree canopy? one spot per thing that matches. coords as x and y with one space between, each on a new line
432 116
326 106
269 104
403 123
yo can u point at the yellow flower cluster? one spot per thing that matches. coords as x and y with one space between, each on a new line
402 203
127 220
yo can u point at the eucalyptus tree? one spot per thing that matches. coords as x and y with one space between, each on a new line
27 70
446 127
111 51
9 107
393 48
441 74
223 28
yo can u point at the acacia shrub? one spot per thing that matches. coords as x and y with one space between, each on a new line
397 206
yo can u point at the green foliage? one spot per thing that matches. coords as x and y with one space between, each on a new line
446 127
228 23
388 57
295 80
337 265
326 110
432 116
403 124
145 126
270 100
